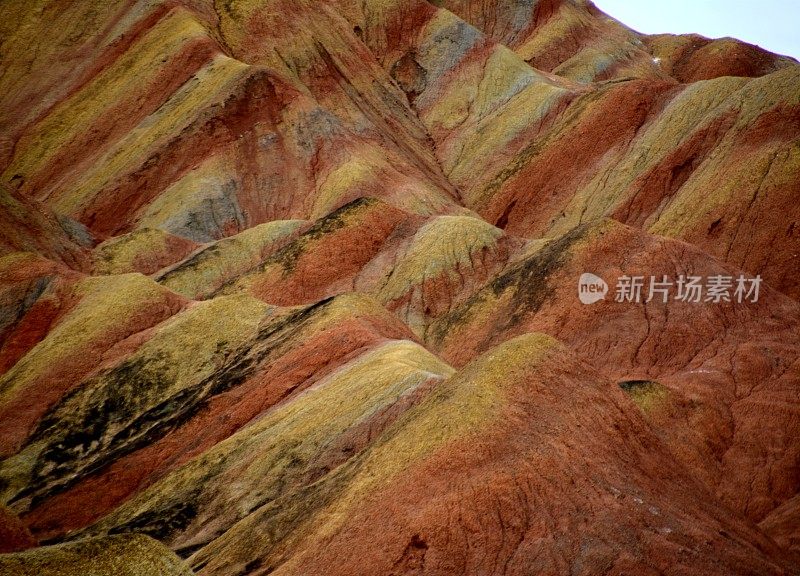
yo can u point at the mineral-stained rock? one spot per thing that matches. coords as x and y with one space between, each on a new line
100 313
690 57
291 286
145 251
692 163
28 226
113 556
525 461
447 260
782 525
262 478
574 39
720 360
203 375
206 270
322 261
14 535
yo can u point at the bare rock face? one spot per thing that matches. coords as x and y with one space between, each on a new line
291 287
700 358
487 491
114 555
15 535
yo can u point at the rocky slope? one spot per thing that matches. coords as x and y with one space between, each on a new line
123 555
291 287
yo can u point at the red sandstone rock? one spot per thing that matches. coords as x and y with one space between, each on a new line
332 200
14 535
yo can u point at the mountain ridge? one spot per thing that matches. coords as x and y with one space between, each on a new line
285 284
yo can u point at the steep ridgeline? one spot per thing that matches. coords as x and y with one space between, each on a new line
290 287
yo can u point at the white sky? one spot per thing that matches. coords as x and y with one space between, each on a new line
771 24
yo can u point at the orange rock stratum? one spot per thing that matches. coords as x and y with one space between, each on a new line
292 287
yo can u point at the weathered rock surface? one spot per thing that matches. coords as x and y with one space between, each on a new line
14 535
722 365
290 286
133 555
525 461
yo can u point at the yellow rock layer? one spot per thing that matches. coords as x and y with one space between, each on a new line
461 406
71 118
204 271
119 255
123 555
105 302
261 461
209 86
440 248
